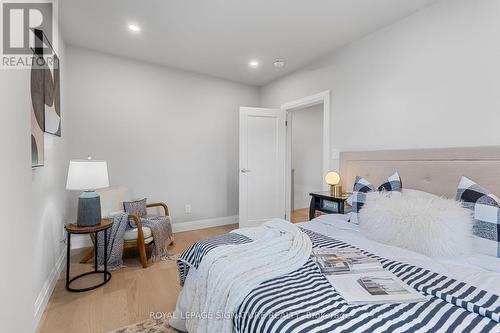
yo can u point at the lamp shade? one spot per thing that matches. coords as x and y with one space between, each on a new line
332 178
84 175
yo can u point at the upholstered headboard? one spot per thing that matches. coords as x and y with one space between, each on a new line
436 171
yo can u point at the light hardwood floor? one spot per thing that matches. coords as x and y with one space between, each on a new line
129 297
300 215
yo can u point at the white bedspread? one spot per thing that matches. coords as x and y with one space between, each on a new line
228 273
478 270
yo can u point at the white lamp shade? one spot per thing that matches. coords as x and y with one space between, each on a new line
84 175
332 178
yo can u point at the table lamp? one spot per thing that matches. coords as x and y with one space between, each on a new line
332 178
88 176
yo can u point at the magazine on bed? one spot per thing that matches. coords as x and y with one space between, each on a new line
360 279
342 261
377 287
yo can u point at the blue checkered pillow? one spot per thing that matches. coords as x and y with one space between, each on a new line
362 187
486 209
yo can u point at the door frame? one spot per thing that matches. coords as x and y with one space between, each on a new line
322 97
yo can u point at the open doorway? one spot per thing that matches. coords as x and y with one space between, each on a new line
306 130
307 152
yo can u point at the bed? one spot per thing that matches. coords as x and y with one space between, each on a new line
462 293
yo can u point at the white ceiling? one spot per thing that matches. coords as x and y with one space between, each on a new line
219 37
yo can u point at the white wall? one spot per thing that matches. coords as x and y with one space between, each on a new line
49 206
167 134
49 203
307 153
430 80
33 205
16 301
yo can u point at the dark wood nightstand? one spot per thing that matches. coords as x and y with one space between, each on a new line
320 202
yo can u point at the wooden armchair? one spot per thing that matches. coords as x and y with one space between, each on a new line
140 237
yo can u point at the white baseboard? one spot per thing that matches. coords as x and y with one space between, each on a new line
48 287
80 241
206 223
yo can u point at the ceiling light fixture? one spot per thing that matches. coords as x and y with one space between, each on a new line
134 28
279 63
253 63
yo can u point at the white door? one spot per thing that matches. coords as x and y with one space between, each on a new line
262 165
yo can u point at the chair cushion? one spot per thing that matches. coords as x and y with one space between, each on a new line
132 234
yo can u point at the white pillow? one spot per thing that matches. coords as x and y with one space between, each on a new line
431 225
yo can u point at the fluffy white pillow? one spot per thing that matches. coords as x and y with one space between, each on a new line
431 225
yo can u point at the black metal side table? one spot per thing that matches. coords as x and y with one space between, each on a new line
74 229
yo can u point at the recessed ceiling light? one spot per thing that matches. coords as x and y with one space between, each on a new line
134 28
253 63
279 63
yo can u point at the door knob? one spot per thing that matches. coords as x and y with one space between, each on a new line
245 170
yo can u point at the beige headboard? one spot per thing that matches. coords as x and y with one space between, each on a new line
436 171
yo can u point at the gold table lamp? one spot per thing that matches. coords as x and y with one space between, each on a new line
333 179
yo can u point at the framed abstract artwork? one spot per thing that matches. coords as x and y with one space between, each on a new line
52 88
45 96
37 111
52 97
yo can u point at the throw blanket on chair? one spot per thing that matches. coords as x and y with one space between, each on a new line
161 228
115 242
228 273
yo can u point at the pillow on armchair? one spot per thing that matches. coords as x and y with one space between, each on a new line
137 207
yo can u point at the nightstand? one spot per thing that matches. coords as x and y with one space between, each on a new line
327 203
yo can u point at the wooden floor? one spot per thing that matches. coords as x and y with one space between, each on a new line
300 215
129 297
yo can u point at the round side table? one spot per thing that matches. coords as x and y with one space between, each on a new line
75 229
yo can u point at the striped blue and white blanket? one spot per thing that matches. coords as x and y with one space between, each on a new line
304 300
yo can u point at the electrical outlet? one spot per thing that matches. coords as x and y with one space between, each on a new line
187 208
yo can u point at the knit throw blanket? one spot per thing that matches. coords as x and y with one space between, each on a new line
161 229
225 279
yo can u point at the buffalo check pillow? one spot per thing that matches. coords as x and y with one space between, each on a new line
362 187
486 212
